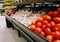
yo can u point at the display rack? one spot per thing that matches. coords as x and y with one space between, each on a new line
30 35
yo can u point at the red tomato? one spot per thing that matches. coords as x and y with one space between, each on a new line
59 29
58 9
40 19
38 30
59 15
32 27
55 13
34 22
52 23
49 37
38 24
42 33
48 25
43 27
56 19
44 22
50 13
48 31
56 34
46 17
56 41
56 27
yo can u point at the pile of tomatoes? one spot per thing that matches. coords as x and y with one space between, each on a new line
48 25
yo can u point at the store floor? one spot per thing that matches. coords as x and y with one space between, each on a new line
7 34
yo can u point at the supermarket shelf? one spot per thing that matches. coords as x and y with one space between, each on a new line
31 35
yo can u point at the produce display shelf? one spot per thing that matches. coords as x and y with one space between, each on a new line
30 35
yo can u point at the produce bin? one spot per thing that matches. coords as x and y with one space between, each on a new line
30 35
25 31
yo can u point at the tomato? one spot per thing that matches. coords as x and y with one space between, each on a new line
40 19
34 22
52 23
49 37
42 33
55 13
48 31
32 27
58 9
59 15
46 17
56 19
43 27
48 25
56 34
44 22
56 27
38 30
50 13
38 24
56 41
59 29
